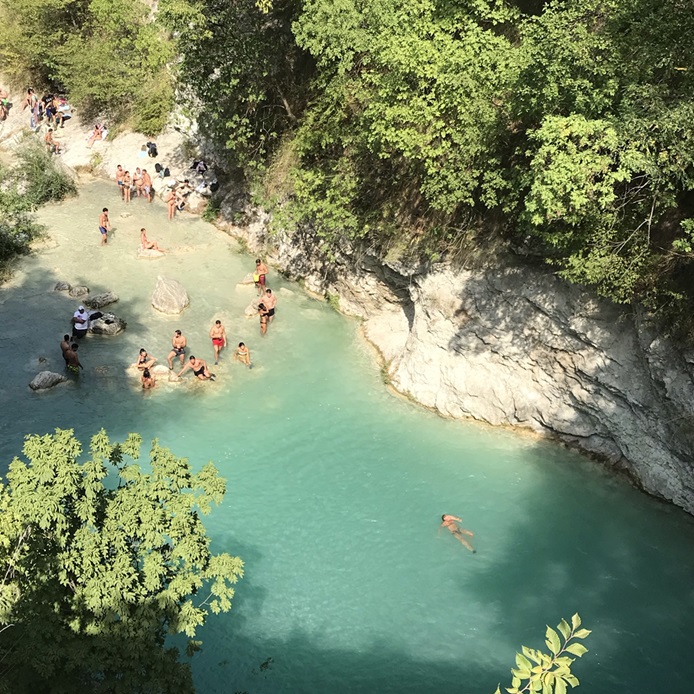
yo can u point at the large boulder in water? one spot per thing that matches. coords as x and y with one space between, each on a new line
169 296
101 300
107 324
78 291
46 379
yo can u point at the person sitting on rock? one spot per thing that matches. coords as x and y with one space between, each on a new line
52 146
144 361
199 367
148 245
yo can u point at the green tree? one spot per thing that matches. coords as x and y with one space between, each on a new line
550 673
104 560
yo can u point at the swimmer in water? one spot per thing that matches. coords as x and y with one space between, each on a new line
451 524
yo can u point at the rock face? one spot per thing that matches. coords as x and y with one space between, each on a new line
78 291
514 345
107 324
101 300
169 296
46 379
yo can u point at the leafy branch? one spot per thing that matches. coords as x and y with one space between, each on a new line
551 672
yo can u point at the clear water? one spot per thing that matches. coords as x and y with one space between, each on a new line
336 487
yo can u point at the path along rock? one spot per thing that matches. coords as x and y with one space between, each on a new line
46 379
107 324
101 300
169 296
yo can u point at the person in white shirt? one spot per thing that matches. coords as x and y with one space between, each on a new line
80 322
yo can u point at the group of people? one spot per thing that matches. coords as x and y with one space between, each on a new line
139 182
80 327
198 366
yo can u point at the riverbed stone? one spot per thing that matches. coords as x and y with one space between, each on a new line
252 308
46 379
78 291
107 324
170 296
160 370
100 300
149 253
62 287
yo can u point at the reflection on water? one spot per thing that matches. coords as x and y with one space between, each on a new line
336 488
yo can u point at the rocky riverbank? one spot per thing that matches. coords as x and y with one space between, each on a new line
511 344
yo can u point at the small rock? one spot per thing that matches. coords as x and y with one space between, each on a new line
78 291
62 287
160 370
107 324
46 379
169 296
148 253
101 300
248 279
252 308
125 215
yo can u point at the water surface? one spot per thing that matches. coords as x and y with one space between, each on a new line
336 487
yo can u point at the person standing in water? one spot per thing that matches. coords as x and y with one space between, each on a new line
104 226
270 301
72 361
451 524
219 339
260 275
65 346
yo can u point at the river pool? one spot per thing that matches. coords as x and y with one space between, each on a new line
336 486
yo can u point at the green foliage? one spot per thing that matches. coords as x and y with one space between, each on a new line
241 63
110 56
104 560
33 181
550 673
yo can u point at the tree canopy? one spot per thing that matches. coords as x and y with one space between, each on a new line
103 560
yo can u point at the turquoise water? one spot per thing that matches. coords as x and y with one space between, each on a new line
336 487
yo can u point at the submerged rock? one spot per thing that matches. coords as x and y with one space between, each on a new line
107 324
252 308
78 291
46 379
62 287
149 253
160 370
101 300
169 296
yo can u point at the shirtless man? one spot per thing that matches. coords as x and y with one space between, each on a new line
119 180
219 339
72 361
4 104
243 354
65 346
104 226
137 181
199 367
51 145
144 361
178 348
147 185
148 245
31 101
270 301
449 522
260 275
